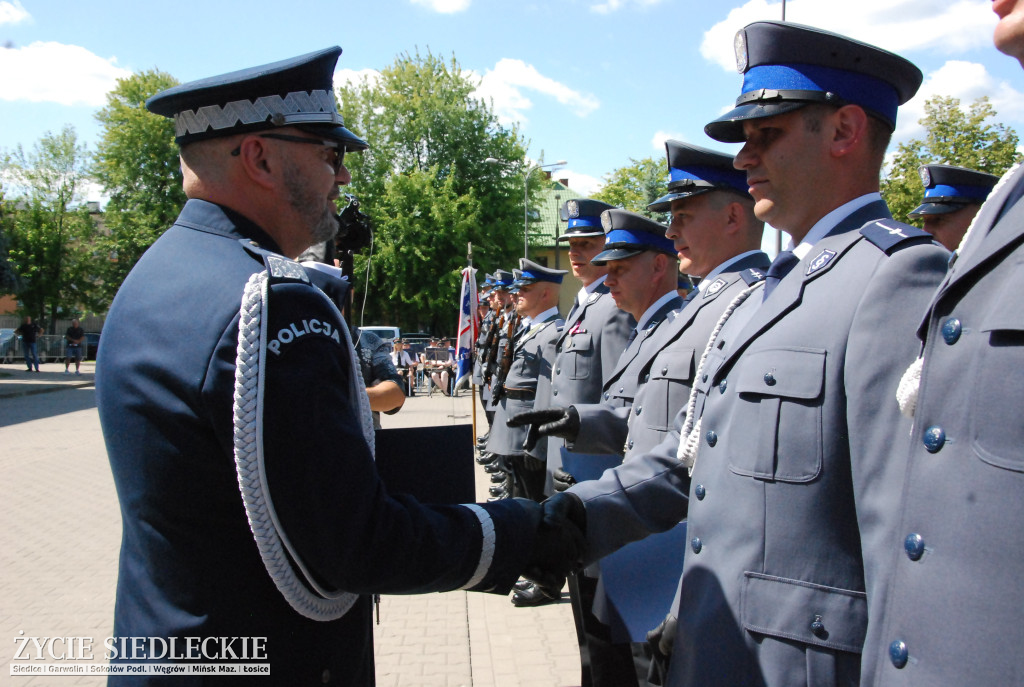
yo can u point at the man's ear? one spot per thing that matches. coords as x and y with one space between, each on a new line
257 162
849 129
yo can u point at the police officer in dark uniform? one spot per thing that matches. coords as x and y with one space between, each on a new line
952 615
242 449
952 197
790 510
480 348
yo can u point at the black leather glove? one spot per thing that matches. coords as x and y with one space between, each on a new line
660 641
556 421
562 480
498 390
560 543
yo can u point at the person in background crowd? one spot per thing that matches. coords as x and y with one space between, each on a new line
74 336
28 331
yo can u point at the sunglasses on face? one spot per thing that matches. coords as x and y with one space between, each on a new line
336 153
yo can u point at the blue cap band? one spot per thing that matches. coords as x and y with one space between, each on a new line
867 91
585 222
736 179
539 276
974 192
639 239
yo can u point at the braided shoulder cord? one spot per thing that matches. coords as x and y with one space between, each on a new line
689 437
274 547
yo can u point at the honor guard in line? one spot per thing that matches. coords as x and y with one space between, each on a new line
785 467
953 611
529 356
952 197
642 279
480 350
505 323
587 348
242 451
717 239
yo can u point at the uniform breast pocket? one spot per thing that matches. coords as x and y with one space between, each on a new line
996 431
776 434
669 387
580 349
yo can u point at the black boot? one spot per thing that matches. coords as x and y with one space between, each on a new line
535 595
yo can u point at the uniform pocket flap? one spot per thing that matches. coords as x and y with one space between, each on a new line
677 366
814 614
581 343
783 372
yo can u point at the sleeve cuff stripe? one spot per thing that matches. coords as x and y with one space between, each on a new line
486 546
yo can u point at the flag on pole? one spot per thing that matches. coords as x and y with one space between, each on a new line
468 325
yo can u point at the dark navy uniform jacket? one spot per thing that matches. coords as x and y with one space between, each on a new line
189 566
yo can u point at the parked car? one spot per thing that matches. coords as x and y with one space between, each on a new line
9 346
92 345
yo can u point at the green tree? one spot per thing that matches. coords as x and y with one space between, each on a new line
8 277
428 190
51 233
953 136
636 186
137 164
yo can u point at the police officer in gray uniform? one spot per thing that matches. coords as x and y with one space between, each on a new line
952 197
953 612
792 488
532 354
642 278
589 344
242 450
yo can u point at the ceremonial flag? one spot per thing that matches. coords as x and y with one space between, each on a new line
469 325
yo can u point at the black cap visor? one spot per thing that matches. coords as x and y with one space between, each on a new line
935 209
664 204
618 253
348 139
729 127
598 231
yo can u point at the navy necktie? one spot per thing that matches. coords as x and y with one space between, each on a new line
783 263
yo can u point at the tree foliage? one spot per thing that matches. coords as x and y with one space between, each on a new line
636 186
954 136
50 232
427 188
137 164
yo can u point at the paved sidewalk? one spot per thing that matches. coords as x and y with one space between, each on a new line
60 533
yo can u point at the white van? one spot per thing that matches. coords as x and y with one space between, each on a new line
388 334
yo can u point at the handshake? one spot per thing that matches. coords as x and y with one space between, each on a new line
560 543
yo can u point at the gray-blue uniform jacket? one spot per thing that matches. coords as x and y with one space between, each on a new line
588 348
189 565
665 381
955 604
531 359
602 429
792 480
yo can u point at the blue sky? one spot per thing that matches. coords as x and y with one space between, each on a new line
594 82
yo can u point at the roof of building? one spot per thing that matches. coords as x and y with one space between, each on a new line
545 222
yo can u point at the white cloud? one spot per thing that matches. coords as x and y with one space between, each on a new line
610 6
444 6
58 73
659 138
901 26
581 183
505 85
353 77
13 12
966 81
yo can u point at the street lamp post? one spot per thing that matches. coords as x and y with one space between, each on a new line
526 198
